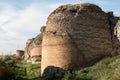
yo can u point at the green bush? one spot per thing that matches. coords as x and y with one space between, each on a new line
18 69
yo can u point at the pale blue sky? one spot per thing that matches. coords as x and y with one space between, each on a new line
22 19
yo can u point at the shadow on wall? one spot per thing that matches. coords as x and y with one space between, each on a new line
114 28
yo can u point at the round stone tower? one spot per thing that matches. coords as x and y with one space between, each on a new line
76 35
27 49
19 53
33 48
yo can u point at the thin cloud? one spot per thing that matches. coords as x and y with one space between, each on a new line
17 25
22 24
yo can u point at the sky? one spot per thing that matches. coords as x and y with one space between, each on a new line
22 19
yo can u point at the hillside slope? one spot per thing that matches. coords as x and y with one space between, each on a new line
106 69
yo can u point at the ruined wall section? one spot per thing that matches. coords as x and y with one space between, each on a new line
76 35
57 47
27 49
33 49
19 53
117 34
114 23
118 30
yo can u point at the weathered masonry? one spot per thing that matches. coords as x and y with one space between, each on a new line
78 35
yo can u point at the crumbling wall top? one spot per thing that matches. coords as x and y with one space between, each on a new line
76 7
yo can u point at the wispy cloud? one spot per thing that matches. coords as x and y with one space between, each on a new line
20 21
19 25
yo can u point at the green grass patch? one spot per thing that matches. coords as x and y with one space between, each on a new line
27 71
106 69
18 69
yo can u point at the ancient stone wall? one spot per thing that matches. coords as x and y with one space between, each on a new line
113 29
19 53
27 49
117 34
118 29
35 54
33 48
75 36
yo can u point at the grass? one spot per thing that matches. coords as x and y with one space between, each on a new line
18 69
106 69
27 71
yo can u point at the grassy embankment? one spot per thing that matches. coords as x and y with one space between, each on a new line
19 69
12 68
106 69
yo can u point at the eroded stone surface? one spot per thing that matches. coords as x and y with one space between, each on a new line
33 48
19 53
76 36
